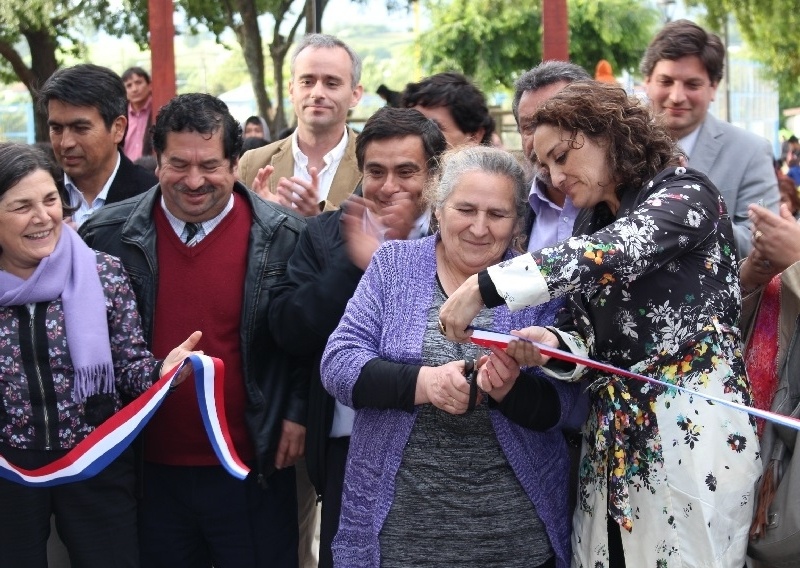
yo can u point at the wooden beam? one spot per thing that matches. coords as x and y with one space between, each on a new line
162 51
556 30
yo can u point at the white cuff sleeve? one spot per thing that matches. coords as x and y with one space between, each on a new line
519 282
574 348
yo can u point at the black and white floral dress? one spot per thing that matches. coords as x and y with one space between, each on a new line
655 290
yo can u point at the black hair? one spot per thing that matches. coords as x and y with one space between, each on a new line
389 122
466 103
87 85
543 75
251 144
131 71
201 113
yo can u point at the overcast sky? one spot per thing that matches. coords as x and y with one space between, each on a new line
339 12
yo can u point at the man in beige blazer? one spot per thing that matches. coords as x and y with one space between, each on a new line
315 168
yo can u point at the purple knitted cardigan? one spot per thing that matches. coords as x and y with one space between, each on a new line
386 318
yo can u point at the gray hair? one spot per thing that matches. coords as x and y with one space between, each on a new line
325 41
463 160
543 75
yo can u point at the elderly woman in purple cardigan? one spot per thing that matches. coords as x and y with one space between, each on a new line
438 472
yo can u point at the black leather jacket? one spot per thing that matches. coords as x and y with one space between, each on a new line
126 230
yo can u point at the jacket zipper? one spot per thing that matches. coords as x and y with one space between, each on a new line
32 310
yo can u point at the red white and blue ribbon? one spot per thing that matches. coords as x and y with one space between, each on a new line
788 421
106 442
211 398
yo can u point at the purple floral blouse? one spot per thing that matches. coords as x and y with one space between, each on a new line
134 367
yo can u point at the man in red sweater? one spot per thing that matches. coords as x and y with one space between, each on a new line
203 253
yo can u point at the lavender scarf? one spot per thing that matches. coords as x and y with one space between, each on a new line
71 274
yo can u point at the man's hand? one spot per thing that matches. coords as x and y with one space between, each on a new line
399 216
261 184
292 444
360 240
300 194
776 238
177 356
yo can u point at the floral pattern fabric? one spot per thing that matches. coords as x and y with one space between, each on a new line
656 291
134 365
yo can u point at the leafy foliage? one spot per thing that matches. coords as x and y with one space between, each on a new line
615 30
488 40
493 41
770 28
36 34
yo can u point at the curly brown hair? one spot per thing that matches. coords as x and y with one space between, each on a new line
637 146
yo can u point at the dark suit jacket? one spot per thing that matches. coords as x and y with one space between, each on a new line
130 180
306 307
739 163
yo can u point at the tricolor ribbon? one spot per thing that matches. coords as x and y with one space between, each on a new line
106 442
788 421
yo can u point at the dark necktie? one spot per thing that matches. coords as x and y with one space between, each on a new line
191 232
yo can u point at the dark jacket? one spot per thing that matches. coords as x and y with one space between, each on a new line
127 230
307 305
131 180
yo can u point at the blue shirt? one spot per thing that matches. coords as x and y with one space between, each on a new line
552 223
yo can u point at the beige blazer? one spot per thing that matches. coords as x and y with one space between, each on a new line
279 155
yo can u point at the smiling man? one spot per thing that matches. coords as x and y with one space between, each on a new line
204 252
682 67
315 168
397 152
552 214
86 111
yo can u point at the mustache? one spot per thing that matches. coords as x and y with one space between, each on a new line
183 188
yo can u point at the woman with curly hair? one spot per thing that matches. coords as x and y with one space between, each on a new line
650 276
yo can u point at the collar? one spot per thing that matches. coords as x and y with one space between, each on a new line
178 225
538 198
332 157
148 105
422 226
75 193
688 142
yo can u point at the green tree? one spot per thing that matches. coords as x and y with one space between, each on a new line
36 34
241 16
770 30
493 41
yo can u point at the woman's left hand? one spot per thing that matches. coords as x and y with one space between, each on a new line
177 355
460 309
498 374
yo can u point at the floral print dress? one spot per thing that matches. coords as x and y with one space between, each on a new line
656 291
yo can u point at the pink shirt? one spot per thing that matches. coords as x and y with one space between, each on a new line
137 130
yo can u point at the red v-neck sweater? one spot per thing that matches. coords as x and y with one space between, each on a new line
200 287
